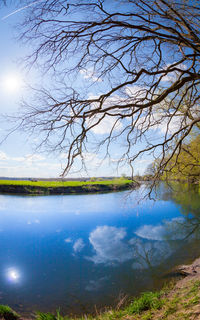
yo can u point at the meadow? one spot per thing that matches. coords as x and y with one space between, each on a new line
55 184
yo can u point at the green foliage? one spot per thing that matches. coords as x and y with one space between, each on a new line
59 317
93 179
193 301
172 306
7 313
186 164
170 310
186 196
147 316
195 288
50 316
147 301
45 316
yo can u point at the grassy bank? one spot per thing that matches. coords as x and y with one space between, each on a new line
40 187
177 302
55 184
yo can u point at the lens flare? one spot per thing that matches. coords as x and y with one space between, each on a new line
13 275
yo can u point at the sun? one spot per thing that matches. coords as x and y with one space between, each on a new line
12 275
12 83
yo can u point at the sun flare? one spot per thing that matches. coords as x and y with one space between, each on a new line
12 275
12 83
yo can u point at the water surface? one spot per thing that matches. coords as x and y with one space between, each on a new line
75 252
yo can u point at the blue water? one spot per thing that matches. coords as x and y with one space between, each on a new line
82 252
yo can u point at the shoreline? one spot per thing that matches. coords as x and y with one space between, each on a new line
180 300
64 190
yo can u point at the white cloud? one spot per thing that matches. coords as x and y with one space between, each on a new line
171 76
135 93
90 156
28 169
63 155
18 159
109 246
28 157
3 156
92 161
34 157
90 74
107 123
167 124
158 121
78 245
105 126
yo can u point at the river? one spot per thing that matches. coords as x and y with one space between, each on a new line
77 253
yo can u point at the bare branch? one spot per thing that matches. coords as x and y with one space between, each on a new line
135 67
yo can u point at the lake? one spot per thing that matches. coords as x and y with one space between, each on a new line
82 252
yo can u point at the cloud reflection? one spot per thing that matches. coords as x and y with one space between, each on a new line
96 285
68 240
169 230
150 247
109 246
78 245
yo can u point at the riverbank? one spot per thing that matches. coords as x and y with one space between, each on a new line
177 301
64 187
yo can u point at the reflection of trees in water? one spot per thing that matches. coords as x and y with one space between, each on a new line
152 245
148 253
186 196
156 244
139 261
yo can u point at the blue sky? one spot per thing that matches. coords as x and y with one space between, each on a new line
17 155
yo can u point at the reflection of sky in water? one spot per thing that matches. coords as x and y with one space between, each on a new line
109 246
13 275
86 249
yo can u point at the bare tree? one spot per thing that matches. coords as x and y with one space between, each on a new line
131 65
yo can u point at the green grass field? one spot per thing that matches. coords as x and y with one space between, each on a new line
54 184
